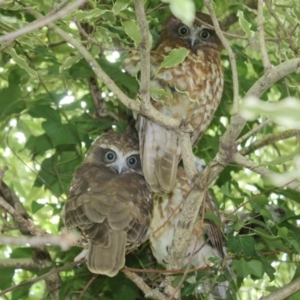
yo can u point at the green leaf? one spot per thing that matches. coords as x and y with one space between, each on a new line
35 206
183 10
45 112
255 267
38 144
120 5
69 62
10 101
243 268
245 25
22 63
91 14
241 245
267 267
123 288
240 266
6 278
132 30
295 296
174 58
61 134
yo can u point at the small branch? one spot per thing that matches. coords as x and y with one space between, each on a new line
261 36
149 293
231 55
284 292
19 263
252 131
249 164
66 240
20 219
287 34
50 18
148 110
237 122
268 140
2 172
187 154
54 271
145 52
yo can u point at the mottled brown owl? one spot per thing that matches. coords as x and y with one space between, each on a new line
193 90
109 202
207 238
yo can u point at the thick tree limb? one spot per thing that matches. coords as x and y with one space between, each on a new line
284 292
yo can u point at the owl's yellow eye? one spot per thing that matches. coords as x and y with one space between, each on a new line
132 161
110 156
204 34
183 30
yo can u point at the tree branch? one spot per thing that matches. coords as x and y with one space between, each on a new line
287 34
284 292
230 53
247 163
19 263
45 20
19 219
268 140
149 293
145 52
261 35
66 240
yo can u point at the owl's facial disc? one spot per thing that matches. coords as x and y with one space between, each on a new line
198 36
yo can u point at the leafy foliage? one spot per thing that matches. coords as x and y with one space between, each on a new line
49 118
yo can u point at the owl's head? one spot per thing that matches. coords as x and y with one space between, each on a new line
191 37
117 151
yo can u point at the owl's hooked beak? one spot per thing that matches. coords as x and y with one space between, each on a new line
119 169
194 41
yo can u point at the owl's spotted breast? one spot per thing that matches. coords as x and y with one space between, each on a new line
193 90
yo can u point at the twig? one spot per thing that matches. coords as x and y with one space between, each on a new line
247 163
287 34
268 140
44 276
45 20
284 292
20 219
187 155
2 172
65 240
149 293
19 263
261 36
87 286
252 131
231 55
145 52
148 110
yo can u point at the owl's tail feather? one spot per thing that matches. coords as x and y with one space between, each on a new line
108 261
160 152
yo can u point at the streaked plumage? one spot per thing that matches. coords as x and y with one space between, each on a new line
109 202
193 92
207 238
